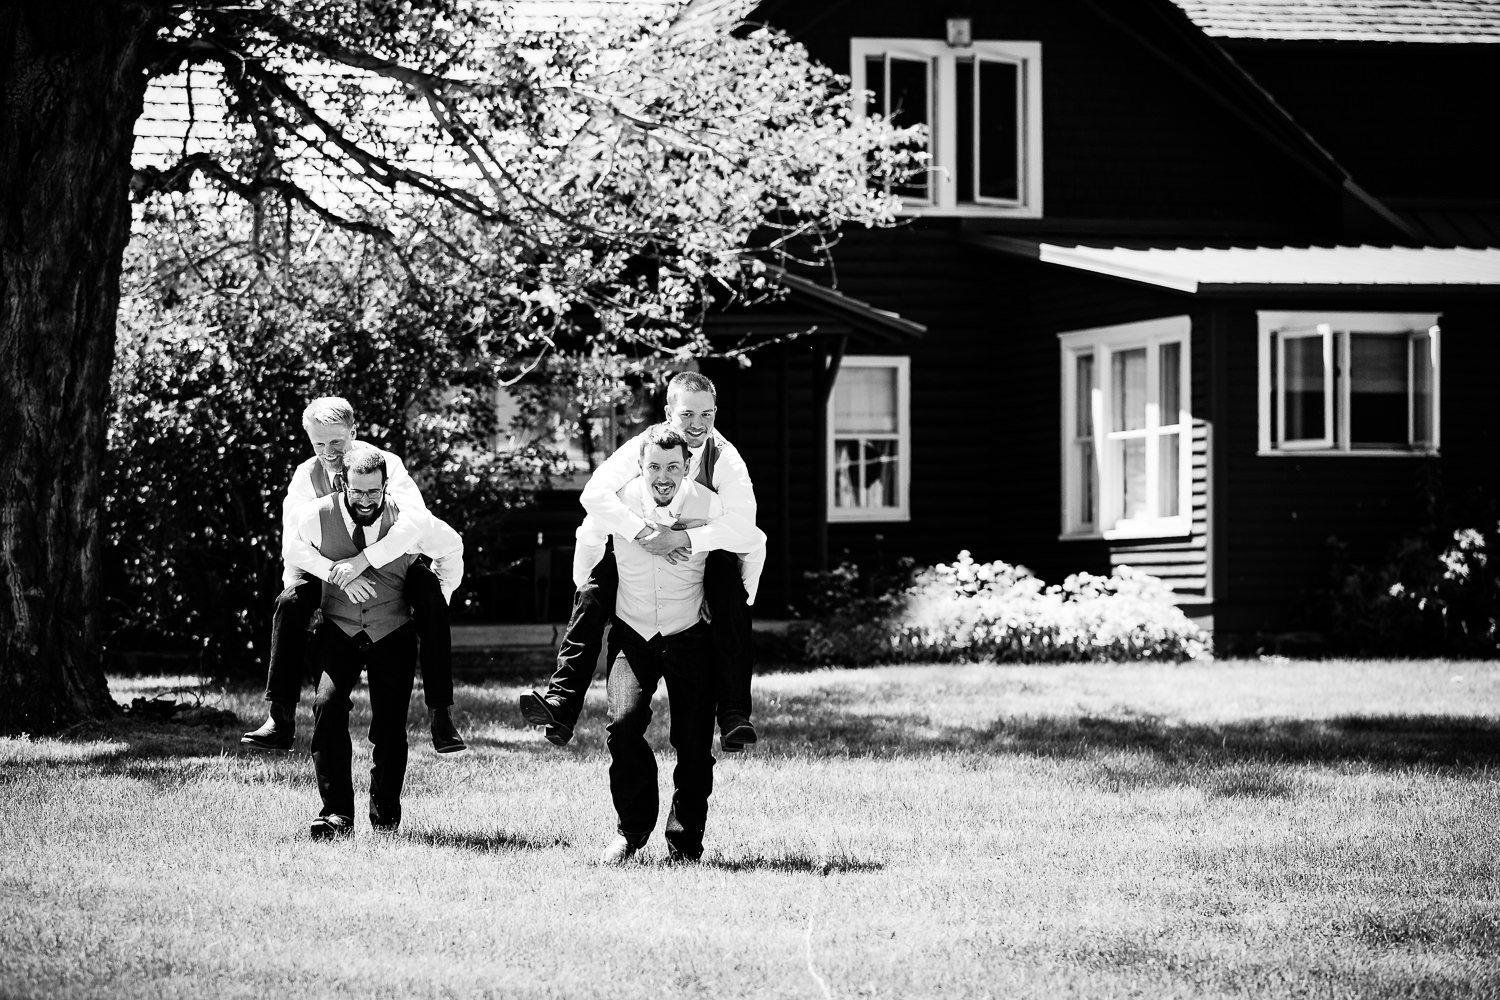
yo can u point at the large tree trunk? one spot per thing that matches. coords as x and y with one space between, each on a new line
71 87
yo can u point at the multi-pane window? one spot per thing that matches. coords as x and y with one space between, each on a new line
1126 424
980 106
1349 382
869 439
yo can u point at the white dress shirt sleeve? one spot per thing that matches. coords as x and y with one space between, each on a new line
296 555
601 496
307 529
588 548
445 546
735 529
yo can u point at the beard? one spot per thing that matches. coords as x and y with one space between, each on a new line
364 520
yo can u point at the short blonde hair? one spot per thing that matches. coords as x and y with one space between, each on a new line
328 410
685 382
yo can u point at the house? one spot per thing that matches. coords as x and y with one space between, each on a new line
1201 289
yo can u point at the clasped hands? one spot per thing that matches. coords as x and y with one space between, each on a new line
671 542
346 575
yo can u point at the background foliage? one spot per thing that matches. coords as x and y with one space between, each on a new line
1434 592
218 354
408 205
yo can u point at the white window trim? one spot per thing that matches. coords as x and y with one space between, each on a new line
901 511
943 142
1327 323
1102 342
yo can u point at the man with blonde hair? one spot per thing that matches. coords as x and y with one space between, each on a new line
330 426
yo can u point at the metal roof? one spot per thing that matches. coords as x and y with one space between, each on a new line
1432 21
1241 269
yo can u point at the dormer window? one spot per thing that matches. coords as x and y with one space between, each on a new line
981 105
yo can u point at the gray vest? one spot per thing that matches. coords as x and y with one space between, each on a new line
322 484
706 463
388 610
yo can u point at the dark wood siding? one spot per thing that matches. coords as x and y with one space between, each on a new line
1127 136
1286 514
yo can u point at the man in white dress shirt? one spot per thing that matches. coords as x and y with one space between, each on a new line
367 625
658 633
329 424
730 580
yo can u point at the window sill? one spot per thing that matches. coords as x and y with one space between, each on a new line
843 516
970 211
1340 453
1170 534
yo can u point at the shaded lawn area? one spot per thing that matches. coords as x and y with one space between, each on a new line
1245 829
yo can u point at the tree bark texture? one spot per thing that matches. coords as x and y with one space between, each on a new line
71 88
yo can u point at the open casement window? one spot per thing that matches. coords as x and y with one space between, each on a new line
982 107
1127 430
869 440
900 85
1349 383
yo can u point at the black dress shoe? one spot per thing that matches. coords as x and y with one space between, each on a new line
278 731
331 827
536 711
445 738
678 855
385 820
738 738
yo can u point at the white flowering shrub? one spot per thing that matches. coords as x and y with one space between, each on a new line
995 611
969 611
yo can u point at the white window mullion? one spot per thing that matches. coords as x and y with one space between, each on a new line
1110 499
1153 431
1342 382
945 125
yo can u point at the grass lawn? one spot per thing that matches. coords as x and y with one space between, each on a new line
1246 829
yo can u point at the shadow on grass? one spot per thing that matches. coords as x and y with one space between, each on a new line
796 864
1435 741
481 842
1241 758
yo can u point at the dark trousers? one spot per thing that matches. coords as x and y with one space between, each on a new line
390 665
636 666
295 607
594 607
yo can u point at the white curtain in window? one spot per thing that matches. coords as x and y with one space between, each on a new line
865 401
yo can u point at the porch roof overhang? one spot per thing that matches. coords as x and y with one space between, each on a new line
1241 270
880 323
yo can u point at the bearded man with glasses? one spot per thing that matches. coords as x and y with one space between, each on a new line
367 626
330 427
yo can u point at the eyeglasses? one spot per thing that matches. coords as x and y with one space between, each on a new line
364 494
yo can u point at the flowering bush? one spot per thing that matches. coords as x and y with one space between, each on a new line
1436 594
970 611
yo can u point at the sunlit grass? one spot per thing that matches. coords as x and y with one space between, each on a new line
1253 829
